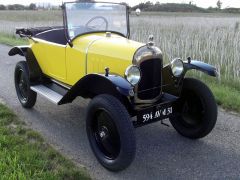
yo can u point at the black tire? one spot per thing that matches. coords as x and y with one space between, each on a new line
26 96
197 110
115 149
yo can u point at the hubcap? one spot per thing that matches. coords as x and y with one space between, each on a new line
105 134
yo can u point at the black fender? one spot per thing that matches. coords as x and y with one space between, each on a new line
35 72
92 85
20 50
201 66
173 85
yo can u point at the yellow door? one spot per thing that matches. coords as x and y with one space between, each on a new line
76 63
51 58
76 57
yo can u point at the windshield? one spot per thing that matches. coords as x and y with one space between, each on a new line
84 18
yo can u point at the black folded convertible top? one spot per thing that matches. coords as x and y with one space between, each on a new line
23 32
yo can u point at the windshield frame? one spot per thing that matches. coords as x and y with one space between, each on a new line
65 22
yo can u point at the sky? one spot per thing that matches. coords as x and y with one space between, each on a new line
201 3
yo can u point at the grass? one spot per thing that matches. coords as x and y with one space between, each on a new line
31 16
213 39
227 93
186 14
11 40
227 97
24 154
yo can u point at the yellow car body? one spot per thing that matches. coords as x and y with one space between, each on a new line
90 53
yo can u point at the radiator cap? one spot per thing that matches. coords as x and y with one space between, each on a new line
108 34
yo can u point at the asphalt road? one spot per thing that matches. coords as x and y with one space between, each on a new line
161 152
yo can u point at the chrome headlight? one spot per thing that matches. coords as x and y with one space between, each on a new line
133 74
177 67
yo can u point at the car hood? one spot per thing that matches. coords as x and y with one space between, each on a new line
115 52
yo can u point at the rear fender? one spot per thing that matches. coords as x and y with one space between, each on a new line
35 72
20 50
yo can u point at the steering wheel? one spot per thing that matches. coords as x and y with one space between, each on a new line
97 17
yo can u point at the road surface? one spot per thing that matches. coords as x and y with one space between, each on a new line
161 152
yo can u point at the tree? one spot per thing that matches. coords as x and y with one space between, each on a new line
124 3
219 4
32 6
16 7
2 7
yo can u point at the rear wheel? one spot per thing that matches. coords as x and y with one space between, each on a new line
26 96
196 110
110 132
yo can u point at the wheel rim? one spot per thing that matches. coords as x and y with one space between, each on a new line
105 134
192 111
22 86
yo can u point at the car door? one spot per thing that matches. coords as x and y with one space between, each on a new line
51 58
77 57
76 62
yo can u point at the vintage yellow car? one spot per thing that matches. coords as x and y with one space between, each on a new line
92 56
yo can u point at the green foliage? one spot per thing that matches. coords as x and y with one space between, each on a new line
25 155
219 4
227 93
227 97
181 7
231 10
16 7
169 7
2 7
32 6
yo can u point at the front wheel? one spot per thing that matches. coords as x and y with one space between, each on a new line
196 110
110 132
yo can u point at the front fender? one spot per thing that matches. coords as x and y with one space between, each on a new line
95 84
201 66
173 85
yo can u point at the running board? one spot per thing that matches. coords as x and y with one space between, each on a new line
48 93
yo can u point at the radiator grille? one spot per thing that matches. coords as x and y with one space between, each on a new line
151 80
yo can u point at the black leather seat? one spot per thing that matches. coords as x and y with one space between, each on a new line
53 35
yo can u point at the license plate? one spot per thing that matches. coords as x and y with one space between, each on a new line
155 113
